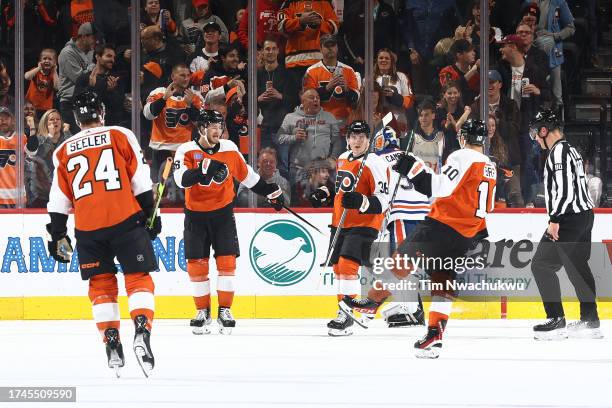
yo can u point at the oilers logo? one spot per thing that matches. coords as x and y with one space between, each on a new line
345 180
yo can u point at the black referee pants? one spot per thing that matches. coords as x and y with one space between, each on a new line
572 250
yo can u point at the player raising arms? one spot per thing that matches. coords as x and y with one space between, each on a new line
206 169
464 192
365 204
101 173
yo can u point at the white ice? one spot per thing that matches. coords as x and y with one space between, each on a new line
293 363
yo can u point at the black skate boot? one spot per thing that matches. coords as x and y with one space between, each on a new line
366 306
114 350
552 329
342 325
407 319
142 345
585 329
201 323
226 320
430 345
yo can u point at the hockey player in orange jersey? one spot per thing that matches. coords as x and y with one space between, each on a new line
365 204
101 174
465 193
206 169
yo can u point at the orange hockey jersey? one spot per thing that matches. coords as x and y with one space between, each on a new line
303 48
40 91
464 191
374 181
8 170
172 127
337 102
218 193
98 172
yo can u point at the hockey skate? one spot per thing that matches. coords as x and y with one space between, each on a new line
431 344
552 329
142 345
226 320
114 351
401 315
342 325
584 329
202 322
366 306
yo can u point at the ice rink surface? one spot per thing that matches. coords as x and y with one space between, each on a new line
294 363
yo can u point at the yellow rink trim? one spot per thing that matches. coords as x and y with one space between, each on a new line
268 307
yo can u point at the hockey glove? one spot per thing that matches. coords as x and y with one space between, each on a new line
404 164
275 197
213 170
59 245
319 197
355 201
156 229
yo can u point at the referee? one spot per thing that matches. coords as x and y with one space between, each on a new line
567 240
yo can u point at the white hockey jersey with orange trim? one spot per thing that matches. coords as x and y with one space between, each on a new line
464 191
374 181
99 172
218 193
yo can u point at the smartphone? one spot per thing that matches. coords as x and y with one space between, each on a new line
386 80
269 85
524 83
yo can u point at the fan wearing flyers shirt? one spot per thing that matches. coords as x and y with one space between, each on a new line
210 52
225 74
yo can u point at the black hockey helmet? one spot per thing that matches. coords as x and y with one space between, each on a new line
544 119
474 132
87 107
359 126
208 116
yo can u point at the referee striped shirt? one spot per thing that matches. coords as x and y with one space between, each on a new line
565 182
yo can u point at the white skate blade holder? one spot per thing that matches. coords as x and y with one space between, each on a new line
551 335
428 353
585 334
140 351
341 332
200 330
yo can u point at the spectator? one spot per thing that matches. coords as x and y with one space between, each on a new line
29 118
309 132
236 120
233 34
449 112
51 133
533 56
556 24
225 74
530 15
318 175
267 23
9 190
495 32
190 32
44 81
73 14
157 50
273 92
498 153
172 110
209 54
74 59
152 15
464 70
266 167
105 84
335 82
428 141
376 95
397 93
6 99
303 22
508 119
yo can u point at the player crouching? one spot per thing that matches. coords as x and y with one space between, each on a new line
206 169
464 192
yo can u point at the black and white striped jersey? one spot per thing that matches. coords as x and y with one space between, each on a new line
565 182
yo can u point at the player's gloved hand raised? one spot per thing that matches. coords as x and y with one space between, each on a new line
154 229
355 201
404 164
59 245
274 194
319 197
213 169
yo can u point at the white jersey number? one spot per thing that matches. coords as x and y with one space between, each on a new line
483 198
106 171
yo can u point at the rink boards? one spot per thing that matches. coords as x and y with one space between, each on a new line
278 272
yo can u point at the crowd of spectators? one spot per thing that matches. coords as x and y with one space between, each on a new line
310 80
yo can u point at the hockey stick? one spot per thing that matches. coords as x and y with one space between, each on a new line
299 217
385 121
160 191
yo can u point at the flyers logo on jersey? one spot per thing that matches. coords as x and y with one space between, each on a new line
7 157
345 180
175 117
490 172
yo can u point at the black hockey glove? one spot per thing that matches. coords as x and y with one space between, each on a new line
213 170
59 245
275 196
355 201
404 164
319 197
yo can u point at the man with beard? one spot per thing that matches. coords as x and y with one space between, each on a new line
225 74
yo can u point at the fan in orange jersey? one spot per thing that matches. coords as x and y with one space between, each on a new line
100 173
336 82
465 193
172 110
206 169
365 204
